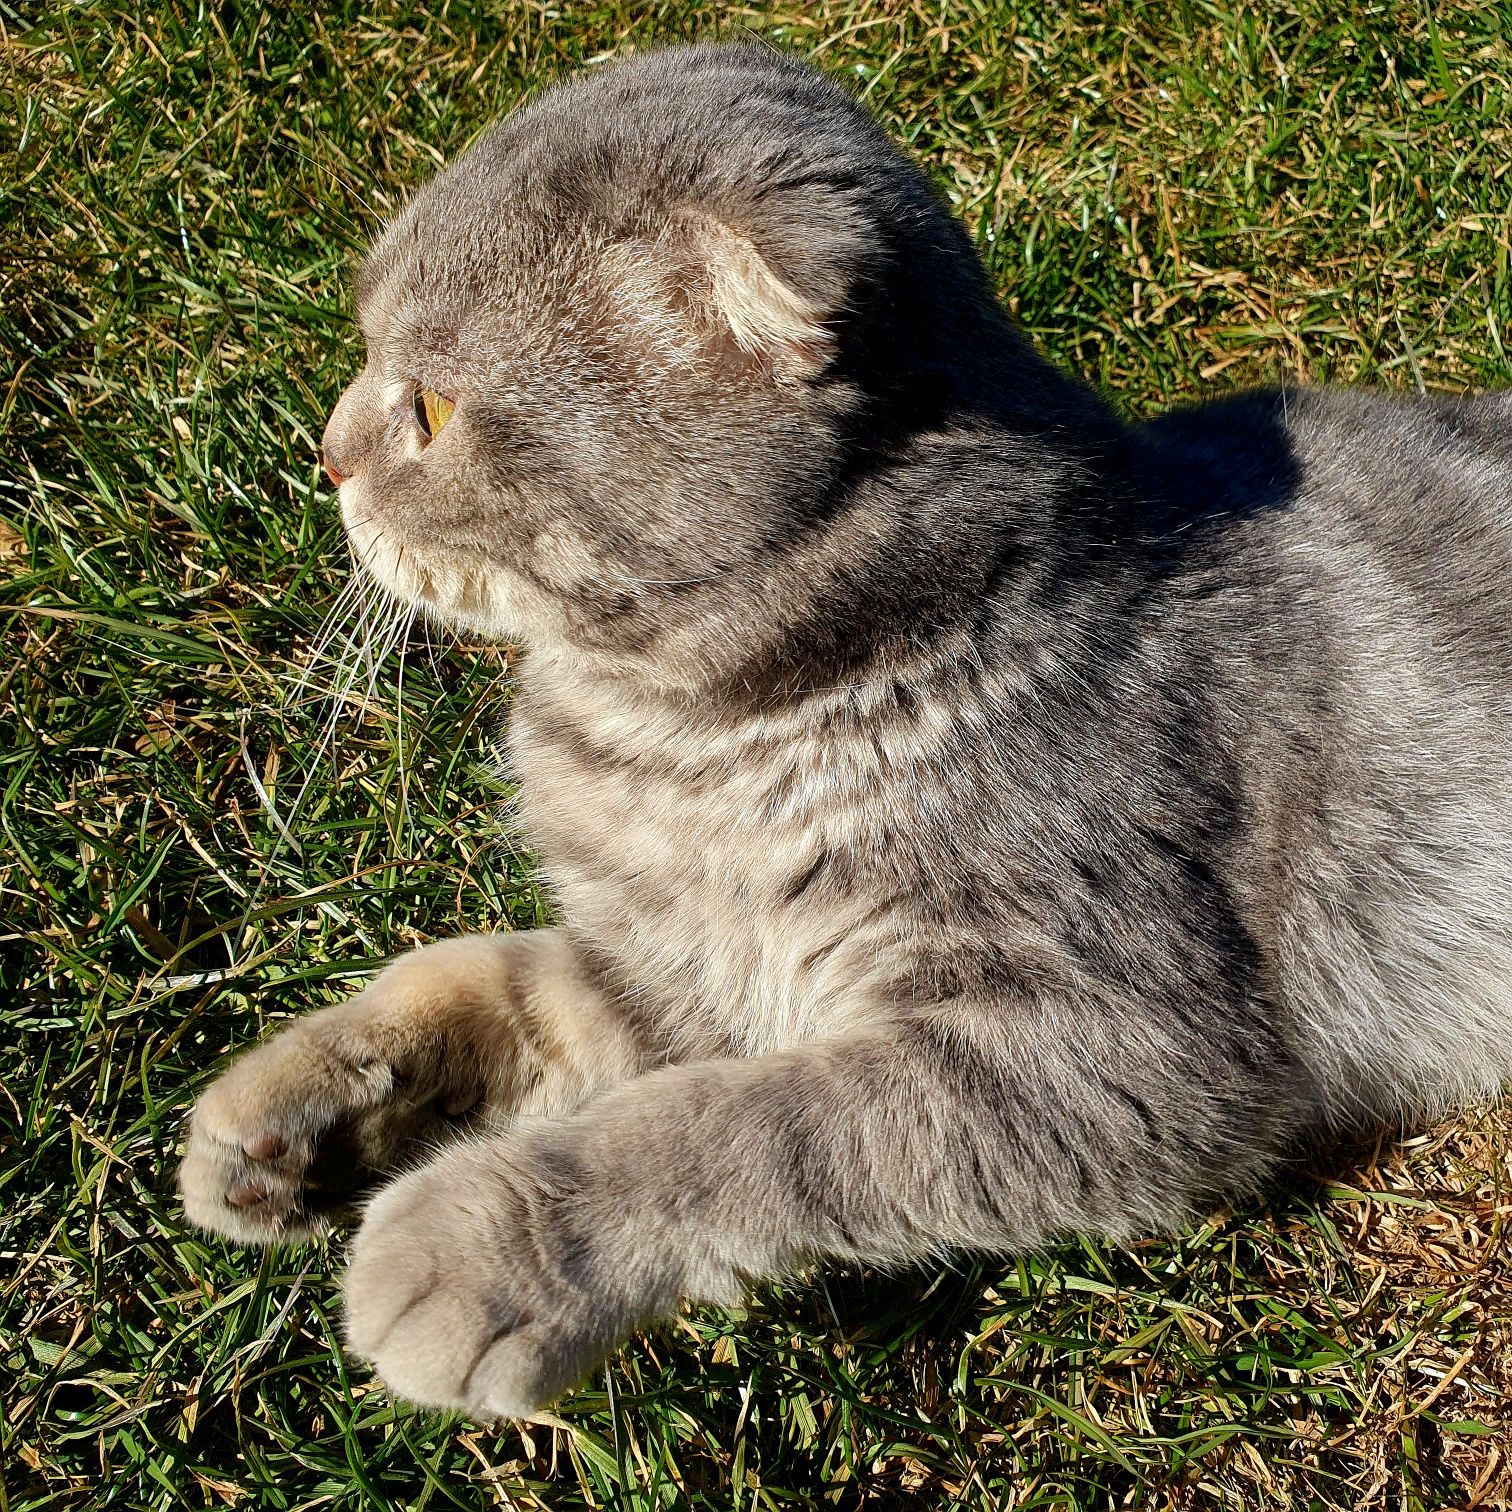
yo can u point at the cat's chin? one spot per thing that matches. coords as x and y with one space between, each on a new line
464 590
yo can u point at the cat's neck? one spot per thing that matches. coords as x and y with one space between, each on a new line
974 528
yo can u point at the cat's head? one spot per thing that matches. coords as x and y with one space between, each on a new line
625 355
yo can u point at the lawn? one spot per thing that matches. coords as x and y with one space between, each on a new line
207 826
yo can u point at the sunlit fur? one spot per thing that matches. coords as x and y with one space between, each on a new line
973 818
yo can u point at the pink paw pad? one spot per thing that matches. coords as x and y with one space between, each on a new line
265 1147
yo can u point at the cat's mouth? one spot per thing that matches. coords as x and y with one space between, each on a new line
380 550
462 588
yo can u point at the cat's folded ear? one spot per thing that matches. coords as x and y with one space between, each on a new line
746 301
705 288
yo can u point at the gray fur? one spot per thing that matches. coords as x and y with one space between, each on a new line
975 818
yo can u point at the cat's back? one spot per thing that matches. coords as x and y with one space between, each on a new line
1383 499
1424 486
1363 543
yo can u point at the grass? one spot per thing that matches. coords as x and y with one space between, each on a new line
1173 196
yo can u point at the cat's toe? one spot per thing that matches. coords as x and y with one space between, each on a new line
239 1188
292 1131
268 1156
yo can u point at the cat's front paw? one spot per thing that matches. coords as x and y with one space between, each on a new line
295 1129
476 1284
276 1143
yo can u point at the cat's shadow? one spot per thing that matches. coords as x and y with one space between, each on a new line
933 1311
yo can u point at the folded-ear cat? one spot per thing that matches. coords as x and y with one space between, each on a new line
974 818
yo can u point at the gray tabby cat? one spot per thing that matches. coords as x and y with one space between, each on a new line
975 818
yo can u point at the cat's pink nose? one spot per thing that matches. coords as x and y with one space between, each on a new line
337 478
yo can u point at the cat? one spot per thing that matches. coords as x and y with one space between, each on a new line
975 818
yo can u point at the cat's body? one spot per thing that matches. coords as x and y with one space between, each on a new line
1273 749
973 819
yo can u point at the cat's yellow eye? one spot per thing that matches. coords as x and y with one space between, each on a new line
432 411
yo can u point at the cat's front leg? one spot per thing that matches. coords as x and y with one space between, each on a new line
451 1037
495 1276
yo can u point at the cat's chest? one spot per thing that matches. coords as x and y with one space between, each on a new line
728 879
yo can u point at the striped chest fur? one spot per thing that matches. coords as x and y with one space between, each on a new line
743 876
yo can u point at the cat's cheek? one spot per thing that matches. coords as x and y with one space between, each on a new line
455 583
349 496
377 549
